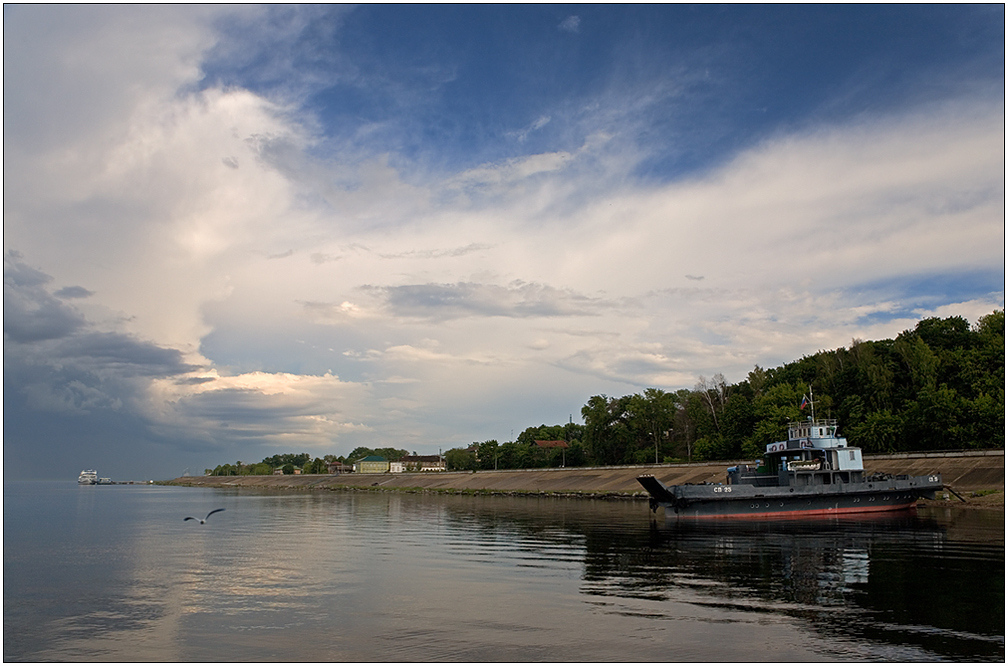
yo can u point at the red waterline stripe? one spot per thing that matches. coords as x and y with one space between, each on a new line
804 513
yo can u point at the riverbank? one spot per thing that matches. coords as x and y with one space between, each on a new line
978 477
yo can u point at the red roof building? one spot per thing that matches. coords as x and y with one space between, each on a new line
552 444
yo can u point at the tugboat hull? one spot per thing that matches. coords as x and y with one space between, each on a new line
710 501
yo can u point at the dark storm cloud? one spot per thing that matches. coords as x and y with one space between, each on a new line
31 313
42 326
60 370
124 354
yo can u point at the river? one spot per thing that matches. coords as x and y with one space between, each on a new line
113 573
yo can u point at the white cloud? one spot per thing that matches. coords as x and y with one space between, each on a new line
571 24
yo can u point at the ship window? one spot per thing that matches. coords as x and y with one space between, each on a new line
851 455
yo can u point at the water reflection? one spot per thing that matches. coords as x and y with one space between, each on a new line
115 575
910 586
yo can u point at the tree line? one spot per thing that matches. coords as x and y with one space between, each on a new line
939 386
288 462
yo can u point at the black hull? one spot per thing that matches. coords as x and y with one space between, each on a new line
752 502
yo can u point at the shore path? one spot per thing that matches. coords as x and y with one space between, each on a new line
977 476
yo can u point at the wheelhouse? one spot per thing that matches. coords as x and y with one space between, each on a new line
812 454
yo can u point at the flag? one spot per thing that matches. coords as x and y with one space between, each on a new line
804 401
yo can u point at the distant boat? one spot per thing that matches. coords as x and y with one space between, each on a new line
104 481
88 477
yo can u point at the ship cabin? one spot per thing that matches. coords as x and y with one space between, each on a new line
812 454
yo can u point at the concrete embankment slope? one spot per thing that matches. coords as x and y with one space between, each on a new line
983 470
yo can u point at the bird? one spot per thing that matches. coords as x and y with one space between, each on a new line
202 520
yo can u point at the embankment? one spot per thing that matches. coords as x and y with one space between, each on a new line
965 472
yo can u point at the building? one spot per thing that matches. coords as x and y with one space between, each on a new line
421 464
336 467
372 465
550 445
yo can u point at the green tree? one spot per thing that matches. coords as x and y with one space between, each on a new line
772 411
652 415
459 459
607 435
487 453
878 432
509 456
316 466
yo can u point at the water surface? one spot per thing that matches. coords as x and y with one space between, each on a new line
113 573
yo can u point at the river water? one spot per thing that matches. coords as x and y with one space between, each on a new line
113 573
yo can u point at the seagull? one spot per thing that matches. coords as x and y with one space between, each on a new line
202 520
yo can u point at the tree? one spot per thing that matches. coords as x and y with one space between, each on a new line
508 456
607 435
459 459
652 414
772 411
487 453
714 394
317 466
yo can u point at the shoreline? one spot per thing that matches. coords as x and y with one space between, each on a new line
978 477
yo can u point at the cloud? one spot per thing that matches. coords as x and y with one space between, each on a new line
31 313
523 134
571 24
450 301
73 292
61 367
262 408
514 170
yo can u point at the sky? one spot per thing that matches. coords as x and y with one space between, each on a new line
236 231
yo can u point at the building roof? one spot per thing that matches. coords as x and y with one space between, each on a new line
552 444
372 459
421 459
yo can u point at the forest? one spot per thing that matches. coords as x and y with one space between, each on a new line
939 386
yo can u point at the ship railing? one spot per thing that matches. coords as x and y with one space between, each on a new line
810 423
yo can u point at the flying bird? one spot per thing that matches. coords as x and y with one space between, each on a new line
202 520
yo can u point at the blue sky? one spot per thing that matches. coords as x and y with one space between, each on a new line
236 231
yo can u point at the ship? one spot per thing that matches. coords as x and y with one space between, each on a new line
88 477
814 472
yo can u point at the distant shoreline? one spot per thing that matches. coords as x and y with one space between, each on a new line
977 476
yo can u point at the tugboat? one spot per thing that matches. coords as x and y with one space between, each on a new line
812 473
88 477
